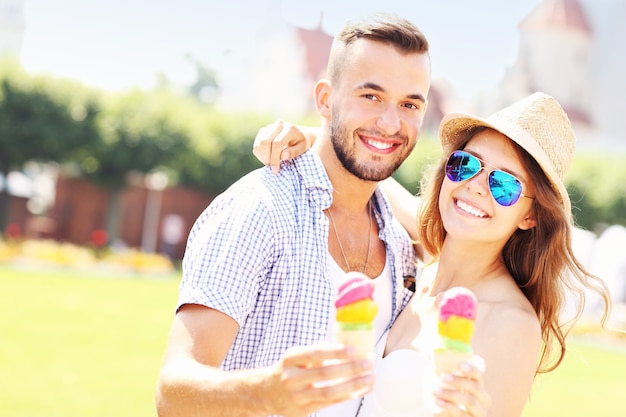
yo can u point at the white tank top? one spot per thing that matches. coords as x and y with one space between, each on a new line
382 297
404 384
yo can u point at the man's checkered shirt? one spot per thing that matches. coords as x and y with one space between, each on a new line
258 254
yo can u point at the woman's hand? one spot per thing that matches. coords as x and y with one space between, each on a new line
281 141
463 393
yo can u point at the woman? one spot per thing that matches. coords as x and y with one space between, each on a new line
496 218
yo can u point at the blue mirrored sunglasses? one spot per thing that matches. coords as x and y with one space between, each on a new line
505 188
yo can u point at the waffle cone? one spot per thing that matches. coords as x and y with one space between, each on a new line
363 340
448 361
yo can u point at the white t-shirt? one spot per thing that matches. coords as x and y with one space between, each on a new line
382 297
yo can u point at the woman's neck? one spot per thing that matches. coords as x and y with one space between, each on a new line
467 264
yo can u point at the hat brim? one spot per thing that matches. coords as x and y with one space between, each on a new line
454 126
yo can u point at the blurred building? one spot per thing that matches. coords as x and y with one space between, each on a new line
82 208
287 62
11 27
574 50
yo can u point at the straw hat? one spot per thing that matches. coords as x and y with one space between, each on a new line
537 123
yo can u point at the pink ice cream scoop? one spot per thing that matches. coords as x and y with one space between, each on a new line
355 304
457 301
457 313
356 287
457 316
355 313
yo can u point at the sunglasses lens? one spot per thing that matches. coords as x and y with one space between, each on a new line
505 188
462 166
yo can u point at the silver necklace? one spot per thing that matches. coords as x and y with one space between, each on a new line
369 231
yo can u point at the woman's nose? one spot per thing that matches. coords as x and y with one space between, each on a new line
479 183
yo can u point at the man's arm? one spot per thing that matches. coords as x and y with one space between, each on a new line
191 384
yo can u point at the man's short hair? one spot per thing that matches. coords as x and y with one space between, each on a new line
387 28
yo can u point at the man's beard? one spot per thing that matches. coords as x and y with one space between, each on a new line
343 145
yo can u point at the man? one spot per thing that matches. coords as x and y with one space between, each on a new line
264 260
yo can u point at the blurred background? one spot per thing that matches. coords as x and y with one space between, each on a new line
121 120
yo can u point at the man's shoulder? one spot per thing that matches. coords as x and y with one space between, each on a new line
263 192
263 187
304 174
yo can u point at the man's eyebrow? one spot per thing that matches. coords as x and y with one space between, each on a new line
418 97
370 86
376 87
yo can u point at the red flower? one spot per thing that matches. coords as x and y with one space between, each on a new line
12 230
99 237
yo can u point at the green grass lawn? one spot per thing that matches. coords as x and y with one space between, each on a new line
72 344
591 381
84 344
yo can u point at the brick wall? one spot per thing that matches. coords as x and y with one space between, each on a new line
82 207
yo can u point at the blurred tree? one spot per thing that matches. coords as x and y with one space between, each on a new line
108 136
139 134
39 121
597 186
221 151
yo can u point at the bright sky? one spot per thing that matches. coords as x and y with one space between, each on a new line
116 44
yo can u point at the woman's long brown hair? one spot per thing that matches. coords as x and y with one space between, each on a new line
541 259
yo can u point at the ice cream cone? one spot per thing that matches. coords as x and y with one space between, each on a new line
362 339
457 313
355 312
448 361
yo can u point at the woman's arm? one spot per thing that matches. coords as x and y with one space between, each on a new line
509 340
403 203
405 206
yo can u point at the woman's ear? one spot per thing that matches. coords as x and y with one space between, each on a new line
527 223
322 98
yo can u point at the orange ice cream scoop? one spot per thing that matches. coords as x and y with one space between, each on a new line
361 311
457 328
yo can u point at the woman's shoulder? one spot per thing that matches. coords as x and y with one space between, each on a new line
516 314
508 317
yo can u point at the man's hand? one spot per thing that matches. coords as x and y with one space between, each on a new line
310 378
